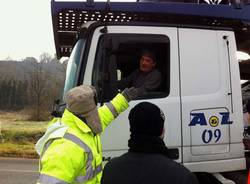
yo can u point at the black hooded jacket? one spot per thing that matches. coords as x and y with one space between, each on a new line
147 162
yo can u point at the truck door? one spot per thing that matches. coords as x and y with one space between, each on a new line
210 96
114 54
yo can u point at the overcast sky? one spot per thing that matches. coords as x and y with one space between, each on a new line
26 29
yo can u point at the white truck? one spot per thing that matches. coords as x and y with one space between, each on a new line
195 45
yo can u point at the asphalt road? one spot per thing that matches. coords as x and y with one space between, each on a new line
18 171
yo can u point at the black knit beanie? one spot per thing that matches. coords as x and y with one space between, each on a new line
146 119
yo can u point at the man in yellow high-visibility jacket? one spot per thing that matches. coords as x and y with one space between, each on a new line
70 150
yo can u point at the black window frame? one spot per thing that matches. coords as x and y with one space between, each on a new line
147 41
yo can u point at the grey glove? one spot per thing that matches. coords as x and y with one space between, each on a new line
130 93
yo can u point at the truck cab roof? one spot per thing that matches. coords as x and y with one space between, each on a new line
69 16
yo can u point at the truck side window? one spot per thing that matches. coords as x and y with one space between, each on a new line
118 58
73 65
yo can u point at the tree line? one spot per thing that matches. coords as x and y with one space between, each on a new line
31 85
13 94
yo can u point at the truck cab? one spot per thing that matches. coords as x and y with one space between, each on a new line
199 92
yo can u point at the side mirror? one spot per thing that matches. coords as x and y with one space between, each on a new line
58 108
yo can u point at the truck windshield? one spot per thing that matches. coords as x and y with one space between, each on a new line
73 66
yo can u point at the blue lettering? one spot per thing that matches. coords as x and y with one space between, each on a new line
217 134
225 118
198 118
207 136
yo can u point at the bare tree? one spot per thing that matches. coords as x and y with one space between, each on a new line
45 58
39 78
37 87
46 85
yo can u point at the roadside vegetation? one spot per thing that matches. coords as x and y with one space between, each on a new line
28 89
18 134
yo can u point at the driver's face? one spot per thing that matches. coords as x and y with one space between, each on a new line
147 64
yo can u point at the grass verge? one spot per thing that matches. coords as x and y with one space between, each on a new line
24 150
18 136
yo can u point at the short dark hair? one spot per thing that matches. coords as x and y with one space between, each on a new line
149 53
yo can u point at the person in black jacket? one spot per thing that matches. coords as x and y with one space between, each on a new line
147 160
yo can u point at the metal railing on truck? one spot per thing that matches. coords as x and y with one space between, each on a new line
69 16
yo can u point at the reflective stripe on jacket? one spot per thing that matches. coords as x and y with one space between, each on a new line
76 156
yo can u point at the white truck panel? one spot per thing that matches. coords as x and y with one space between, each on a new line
203 109
210 100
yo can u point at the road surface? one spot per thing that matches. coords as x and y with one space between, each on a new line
18 171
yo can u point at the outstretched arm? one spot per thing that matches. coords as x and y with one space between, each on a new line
117 105
127 81
109 111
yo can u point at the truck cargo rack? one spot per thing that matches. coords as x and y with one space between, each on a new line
69 16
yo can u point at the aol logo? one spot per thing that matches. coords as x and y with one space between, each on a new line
200 119
213 1
212 133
